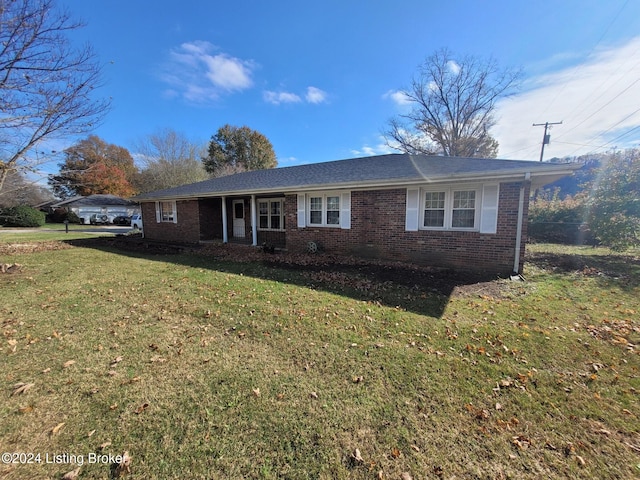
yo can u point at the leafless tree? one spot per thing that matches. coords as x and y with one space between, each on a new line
19 190
452 104
169 159
46 85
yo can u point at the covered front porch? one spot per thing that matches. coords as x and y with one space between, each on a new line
249 220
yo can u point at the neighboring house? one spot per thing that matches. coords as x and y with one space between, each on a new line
109 206
466 213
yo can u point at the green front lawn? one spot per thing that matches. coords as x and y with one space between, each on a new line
206 366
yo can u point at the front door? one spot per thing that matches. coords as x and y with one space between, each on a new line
238 219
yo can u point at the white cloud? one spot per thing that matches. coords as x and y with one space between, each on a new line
381 148
276 98
596 100
398 97
198 73
315 95
453 67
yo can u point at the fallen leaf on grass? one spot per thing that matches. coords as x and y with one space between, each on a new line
256 392
131 380
633 447
21 388
104 445
27 409
521 442
72 475
357 456
406 476
55 430
395 453
68 363
124 467
141 408
314 395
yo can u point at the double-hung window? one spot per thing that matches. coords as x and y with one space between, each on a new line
270 214
166 212
463 212
434 203
450 208
324 210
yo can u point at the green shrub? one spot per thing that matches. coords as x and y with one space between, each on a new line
559 221
614 201
59 215
22 216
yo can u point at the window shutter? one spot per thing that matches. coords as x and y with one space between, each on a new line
345 211
489 213
158 218
302 215
175 212
413 210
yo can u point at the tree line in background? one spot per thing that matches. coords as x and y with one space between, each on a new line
47 92
166 159
600 204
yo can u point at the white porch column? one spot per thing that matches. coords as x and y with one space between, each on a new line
254 221
225 234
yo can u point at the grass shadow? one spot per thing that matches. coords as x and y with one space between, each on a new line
421 290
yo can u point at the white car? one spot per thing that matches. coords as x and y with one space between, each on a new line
136 222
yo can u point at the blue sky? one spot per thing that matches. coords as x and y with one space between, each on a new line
317 78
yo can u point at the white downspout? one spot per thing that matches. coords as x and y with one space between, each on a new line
225 233
516 259
254 221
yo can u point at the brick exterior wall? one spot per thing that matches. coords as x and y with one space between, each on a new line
187 230
378 231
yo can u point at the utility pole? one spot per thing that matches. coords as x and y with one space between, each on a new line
546 138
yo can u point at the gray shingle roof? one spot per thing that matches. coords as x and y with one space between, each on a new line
377 171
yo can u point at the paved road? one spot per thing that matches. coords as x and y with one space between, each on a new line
97 229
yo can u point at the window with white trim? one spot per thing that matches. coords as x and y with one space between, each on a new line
271 214
324 210
450 209
166 212
463 213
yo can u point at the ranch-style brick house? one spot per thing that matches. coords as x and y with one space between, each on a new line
466 213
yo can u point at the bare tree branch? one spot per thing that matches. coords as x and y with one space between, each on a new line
453 103
46 86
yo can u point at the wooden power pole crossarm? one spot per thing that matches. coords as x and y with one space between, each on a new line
546 138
